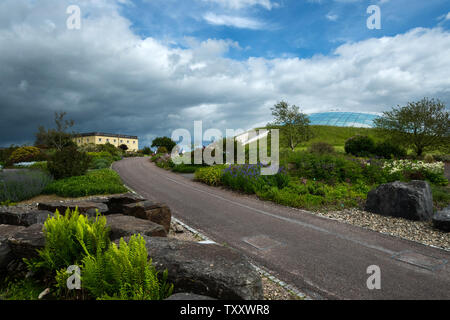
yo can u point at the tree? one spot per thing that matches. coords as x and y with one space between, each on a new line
166 142
422 125
295 125
124 147
56 138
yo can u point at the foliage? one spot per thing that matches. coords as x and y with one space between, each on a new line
210 175
147 151
57 138
20 289
6 153
96 182
166 142
422 125
295 125
124 273
25 154
123 147
416 170
248 178
162 150
68 162
22 185
360 146
441 196
103 159
389 150
186 168
70 237
321 148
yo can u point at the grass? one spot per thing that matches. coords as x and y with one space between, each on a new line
96 182
22 289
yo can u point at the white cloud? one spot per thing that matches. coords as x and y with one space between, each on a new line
233 21
239 4
332 17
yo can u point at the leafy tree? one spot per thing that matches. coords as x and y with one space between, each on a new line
147 151
57 138
124 147
422 125
68 162
295 125
166 142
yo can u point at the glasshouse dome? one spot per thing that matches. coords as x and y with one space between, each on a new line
343 119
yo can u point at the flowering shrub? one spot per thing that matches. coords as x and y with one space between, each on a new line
248 178
210 175
416 170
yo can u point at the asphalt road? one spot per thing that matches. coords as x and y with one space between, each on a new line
323 258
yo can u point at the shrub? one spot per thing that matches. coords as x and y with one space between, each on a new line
388 150
22 185
97 182
68 162
124 273
321 148
360 146
185 168
162 150
26 154
416 170
429 158
210 175
442 157
70 237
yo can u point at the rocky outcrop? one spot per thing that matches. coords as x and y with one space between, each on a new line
84 207
25 242
6 255
17 216
155 212
124 226
412 200
206 269
441 220
116 203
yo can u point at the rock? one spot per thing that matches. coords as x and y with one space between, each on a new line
116 203
412 200
209 270
25 242
123 226
6 255
22 217
188 296
441 220
155 212
84 207
177 228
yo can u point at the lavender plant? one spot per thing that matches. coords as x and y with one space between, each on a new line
21 185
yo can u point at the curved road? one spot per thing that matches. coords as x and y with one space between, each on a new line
322 258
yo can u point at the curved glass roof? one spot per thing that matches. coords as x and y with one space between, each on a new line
343 119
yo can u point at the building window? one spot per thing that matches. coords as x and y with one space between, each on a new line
99 139
134 142
107 140
128 141
79 141
121 141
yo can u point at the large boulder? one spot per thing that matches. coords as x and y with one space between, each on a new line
124 226
84 207
6 255
25 242
22 217
205 269
155 212
441 220
116 203
412 200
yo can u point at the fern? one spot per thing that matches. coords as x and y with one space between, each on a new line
124 273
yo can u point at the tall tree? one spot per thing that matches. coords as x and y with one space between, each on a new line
166 142
422 125
56 138
294 124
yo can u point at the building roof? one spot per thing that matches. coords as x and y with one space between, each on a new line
343 119
106 135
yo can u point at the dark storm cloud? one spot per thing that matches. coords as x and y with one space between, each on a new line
108 79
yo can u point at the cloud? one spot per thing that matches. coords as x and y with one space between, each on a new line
109 79
332 17
240 4
233 21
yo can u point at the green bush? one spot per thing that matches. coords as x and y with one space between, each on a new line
97 182
23 184
186 168
360 146
162 150
388 150
210 175
321 148
68 162
124 273
26 154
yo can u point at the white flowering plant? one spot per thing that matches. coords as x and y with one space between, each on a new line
416 170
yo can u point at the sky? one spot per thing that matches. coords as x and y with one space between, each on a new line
148 67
